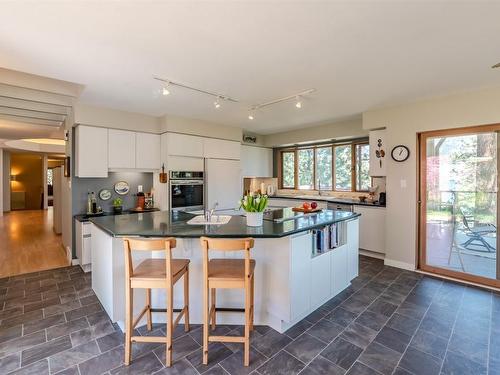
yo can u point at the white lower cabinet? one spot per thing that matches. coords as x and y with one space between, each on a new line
353 249
339 276
300 281
371 228
84 245
320 279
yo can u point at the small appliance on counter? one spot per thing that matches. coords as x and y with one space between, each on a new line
382 198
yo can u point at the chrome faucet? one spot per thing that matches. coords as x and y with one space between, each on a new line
319 188
209 213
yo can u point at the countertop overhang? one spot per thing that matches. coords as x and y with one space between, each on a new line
167 224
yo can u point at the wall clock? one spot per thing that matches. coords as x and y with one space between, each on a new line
400 153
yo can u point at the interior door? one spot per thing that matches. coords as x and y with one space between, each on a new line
459 203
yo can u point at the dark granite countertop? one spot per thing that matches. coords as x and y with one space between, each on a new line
163 224
84 217
325 198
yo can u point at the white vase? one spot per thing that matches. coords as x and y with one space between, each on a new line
255 219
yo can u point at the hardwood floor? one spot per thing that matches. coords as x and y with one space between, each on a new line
28 243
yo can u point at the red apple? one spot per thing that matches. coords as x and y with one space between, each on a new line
314 205
306 206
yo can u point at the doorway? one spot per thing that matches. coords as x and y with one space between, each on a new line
458 203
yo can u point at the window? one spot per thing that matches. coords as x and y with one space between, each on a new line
288 170
49 176
306 168
363 180
338 167
343 167
324 168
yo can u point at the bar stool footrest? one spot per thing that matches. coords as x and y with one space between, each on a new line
164 310
229 309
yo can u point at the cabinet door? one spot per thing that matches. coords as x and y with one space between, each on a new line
184 145
320 279
221 149
91 151
353 248
121 149
87 250
256 161
147 148
378 165
300 275
371 228
339 277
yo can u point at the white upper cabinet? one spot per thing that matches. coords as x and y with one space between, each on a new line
121 152
147 148
256 161
378 164
221 149
184 145
91 151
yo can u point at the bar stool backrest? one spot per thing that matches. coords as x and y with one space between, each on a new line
238 244
132 244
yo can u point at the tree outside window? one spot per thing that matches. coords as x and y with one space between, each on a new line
343 167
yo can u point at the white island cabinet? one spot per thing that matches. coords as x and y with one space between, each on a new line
290 282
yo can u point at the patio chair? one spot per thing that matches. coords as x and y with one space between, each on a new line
476 234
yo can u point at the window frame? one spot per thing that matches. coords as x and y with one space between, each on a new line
314 147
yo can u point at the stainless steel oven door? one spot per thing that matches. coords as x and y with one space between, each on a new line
186 195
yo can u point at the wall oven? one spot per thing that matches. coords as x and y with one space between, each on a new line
186 191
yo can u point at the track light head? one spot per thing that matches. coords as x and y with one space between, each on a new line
217 103
298 104
165 91
250 116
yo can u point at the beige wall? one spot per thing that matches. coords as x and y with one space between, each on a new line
176 124
28 169
112 118
403 123
337 130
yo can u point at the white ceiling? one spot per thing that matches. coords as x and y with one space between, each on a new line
358 55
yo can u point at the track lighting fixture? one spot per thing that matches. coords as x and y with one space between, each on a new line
217 103
298 104
165 91
251 116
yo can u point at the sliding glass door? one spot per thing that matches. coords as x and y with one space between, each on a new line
459 203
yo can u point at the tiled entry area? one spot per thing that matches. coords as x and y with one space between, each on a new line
389 322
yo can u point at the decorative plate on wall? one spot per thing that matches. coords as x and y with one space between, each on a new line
122 187
105 194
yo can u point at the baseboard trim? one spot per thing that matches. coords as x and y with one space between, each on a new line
75 262
371 254
398 264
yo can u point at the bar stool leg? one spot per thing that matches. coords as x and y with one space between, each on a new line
252 289
186 300
205 323
148 313
170 325
129 310
213 295
246 358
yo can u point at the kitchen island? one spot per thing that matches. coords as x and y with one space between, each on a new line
292 278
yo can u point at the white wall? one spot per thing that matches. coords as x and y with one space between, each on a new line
338 130
176 124
403 123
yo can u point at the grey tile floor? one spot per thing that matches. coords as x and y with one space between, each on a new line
389 321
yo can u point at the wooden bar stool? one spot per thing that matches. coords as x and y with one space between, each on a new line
149 274
227 274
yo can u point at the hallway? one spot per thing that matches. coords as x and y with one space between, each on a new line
28 243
